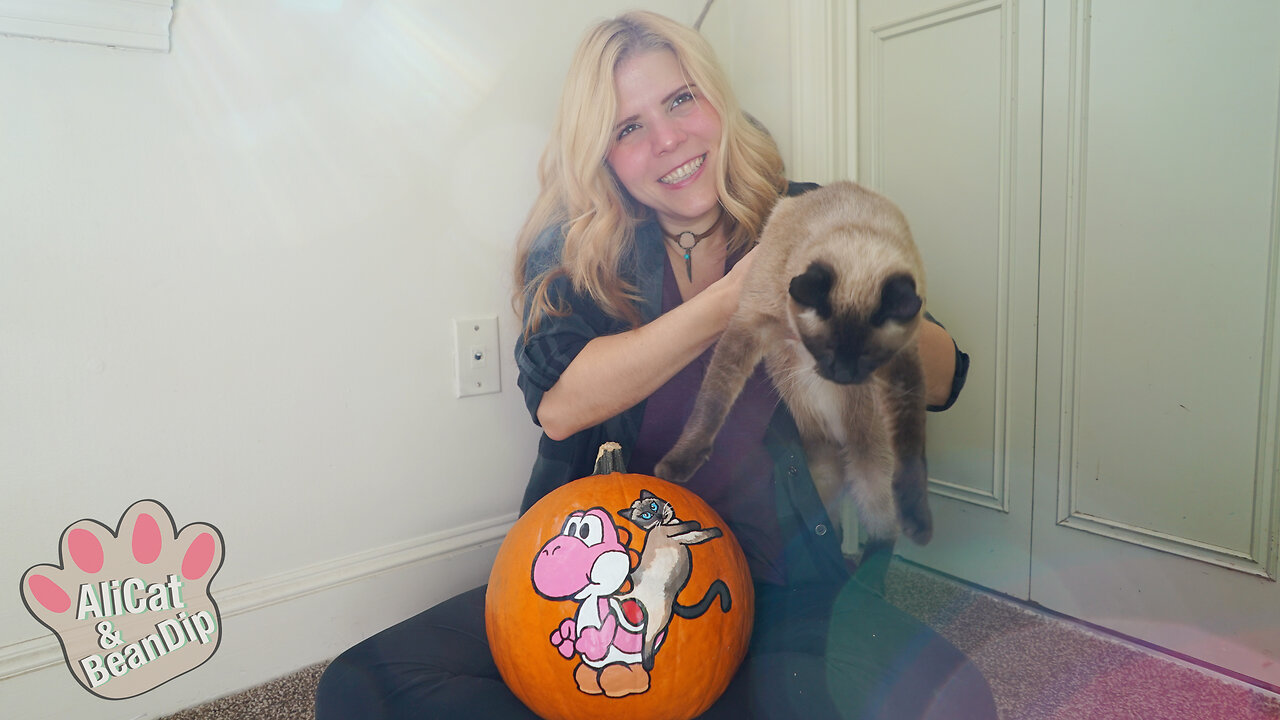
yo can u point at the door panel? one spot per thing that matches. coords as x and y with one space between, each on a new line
1156 436
949 129
1111 264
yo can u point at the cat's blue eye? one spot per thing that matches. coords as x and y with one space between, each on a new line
653 507
646 515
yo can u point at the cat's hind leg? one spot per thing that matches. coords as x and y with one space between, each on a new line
869 469
900 395
911 488
870 473
830 477
652 631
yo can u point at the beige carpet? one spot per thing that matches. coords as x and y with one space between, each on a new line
287 698
1040 667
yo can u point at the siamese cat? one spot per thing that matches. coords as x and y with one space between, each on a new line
665 566
833 303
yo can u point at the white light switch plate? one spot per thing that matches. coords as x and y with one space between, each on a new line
475 342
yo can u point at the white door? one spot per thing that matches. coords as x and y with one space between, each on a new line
949 127
1111 265
1156 510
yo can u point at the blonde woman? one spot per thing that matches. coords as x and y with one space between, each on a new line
654 187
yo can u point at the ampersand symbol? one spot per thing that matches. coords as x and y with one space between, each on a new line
107 638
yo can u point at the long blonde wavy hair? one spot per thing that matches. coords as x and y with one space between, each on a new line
580 194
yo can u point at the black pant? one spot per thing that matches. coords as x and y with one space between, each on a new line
816 652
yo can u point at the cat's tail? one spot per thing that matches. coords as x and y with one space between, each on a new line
718 588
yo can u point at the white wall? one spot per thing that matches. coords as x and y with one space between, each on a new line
751 41
227 280
789 66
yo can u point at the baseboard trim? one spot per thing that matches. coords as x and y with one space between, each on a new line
135 24
41 652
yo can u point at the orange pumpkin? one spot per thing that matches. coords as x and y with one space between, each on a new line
577 615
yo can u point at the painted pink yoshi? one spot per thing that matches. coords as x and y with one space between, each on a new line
589 563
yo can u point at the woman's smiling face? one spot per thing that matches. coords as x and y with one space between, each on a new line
666 141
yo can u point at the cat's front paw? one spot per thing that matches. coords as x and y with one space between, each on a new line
679 465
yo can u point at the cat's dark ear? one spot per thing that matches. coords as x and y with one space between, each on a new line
645 494
812 288
898 300
626 513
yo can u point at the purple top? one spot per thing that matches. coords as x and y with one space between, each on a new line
737 480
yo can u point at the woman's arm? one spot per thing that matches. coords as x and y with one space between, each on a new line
614 372
938 360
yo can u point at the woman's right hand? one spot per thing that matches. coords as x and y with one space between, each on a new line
743 266
726 292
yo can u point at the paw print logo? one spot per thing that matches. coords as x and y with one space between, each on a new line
131 608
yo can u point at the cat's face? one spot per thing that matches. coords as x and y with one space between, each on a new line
648 512
849 336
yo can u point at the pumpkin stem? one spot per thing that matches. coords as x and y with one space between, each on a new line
609 459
